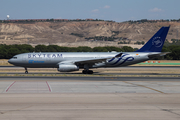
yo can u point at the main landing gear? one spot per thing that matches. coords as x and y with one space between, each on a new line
87 72
26 72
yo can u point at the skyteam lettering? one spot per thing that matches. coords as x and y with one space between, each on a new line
44 55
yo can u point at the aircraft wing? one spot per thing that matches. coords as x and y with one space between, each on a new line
90 61
157 55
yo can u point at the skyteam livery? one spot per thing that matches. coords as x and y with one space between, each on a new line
73 61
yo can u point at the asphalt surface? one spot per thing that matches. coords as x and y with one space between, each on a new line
53 71
95 73
74 78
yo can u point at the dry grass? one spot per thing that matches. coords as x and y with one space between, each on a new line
4 62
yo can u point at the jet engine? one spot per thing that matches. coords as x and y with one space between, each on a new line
68 68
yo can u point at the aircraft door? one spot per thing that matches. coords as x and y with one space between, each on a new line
48 58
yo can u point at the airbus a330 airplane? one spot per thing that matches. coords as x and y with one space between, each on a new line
73 61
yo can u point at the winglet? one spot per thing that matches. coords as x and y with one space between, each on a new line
156 43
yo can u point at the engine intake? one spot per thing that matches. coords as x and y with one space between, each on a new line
68 68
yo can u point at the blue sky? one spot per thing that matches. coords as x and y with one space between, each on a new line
116 10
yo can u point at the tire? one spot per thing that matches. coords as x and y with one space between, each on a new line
90 72
84 72
87 72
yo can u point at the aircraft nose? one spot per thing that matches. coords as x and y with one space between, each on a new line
10 61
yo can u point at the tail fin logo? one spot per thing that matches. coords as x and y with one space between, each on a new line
157 42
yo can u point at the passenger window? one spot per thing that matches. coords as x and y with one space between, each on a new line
15 57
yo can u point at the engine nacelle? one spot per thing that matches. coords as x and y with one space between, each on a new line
68 68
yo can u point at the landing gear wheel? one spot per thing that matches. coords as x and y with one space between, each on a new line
84 71
87 72
90 72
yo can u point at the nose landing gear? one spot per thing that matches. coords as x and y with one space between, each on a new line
26 71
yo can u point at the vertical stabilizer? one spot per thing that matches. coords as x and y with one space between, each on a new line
156 43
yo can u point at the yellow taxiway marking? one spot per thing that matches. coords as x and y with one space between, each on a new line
144 87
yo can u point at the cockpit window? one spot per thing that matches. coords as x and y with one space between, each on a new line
14 57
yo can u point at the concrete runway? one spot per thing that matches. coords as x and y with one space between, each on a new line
90 98
127 106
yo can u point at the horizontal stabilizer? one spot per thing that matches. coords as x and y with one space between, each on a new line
151 56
